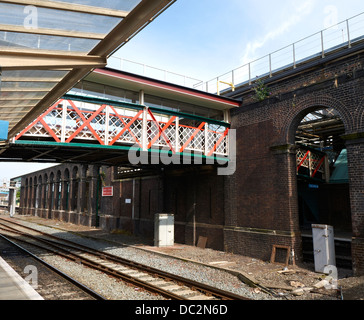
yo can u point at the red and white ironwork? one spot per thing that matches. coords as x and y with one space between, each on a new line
68 121
313 162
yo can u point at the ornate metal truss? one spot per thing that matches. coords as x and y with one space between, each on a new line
70 121
313 164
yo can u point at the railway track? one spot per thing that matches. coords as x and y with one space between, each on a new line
153 280
51 283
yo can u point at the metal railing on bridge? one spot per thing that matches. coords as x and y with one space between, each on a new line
312 164
317 46
116 123
153 72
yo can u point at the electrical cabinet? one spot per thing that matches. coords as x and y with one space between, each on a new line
163 230
323 246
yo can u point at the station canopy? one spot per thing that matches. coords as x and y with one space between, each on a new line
46 47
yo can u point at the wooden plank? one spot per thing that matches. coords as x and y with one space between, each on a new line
200 297
202 242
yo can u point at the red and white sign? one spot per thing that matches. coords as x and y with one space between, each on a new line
107 191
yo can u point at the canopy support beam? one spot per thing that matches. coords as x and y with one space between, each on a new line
24 60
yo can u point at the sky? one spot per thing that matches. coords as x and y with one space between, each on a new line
204 39
207 38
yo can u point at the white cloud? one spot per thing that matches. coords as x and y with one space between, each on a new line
297 16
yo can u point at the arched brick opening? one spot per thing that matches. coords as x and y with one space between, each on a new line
306 105
326 194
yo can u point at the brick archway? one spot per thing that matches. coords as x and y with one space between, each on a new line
301 107
352 118
360 117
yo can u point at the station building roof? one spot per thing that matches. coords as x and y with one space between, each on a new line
133 82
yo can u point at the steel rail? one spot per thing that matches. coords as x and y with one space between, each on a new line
92 264
54 269
206 289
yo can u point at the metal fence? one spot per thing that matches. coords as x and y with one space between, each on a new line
316 46
152 72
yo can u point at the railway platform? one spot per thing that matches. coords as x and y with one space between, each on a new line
13 286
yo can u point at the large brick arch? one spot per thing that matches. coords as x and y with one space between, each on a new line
360 117
303 106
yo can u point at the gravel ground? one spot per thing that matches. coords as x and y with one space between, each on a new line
106 285
48 284
212 267
101 283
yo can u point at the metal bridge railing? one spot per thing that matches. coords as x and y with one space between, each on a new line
152 72
316 46
319 45
313 164
73 121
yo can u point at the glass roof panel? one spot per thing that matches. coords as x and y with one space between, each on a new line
5 95
13 14
5 103
33 75
21 90
42 42
14 110
47 46
25 85
124 5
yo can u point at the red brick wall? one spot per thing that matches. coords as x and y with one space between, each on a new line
204 188
262 195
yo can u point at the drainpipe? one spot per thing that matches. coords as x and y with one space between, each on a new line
97 198
194 215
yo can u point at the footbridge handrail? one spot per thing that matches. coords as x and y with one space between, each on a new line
75 119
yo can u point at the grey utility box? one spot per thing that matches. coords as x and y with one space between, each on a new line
323 246
163 230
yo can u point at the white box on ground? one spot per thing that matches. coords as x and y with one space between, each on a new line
163 230
323 246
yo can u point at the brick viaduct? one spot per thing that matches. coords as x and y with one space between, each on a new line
245 213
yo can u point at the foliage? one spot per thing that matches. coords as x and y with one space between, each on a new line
261 90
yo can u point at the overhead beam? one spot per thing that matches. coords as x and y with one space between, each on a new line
18 99
145 12
71 7
41 154
28 79
19 89
29 60
83 155
52 32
